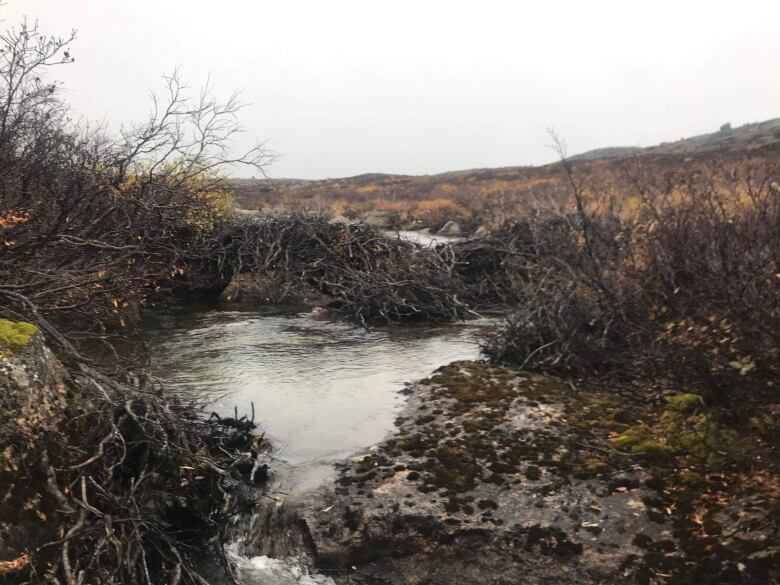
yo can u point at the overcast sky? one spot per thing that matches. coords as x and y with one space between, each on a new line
340 88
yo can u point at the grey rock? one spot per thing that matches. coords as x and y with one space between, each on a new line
481 231
380 218
451 228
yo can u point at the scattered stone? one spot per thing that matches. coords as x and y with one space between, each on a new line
451 228
380 218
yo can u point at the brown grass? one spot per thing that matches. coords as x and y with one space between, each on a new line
489 196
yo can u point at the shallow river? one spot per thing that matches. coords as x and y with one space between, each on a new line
322 389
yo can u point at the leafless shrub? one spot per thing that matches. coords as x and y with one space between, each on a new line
372 277
90 223
124 477
686 286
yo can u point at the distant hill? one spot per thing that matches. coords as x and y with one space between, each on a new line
609 152
748 136
471 195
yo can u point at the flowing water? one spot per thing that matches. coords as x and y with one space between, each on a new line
423 238
321 389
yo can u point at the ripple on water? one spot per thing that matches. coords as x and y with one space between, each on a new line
269 571
322 390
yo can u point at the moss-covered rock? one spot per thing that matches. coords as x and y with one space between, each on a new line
685 403
686 427
702 438
15 334
639 441
506 455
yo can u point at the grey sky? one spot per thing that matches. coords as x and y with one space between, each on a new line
340 88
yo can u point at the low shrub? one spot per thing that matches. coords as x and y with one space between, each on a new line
687 288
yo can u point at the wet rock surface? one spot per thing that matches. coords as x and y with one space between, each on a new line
501 476
485 481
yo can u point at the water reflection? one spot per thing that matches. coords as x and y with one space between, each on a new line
322 390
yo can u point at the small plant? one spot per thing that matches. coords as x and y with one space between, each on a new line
686 428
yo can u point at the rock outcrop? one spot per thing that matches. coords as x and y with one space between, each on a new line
451 228
32 382
481 231
483 483
380 218
500 476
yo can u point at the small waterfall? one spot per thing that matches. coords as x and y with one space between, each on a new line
270 547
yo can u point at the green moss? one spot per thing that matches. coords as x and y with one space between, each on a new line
471 384
15 335
654 450
639 441
709 442
685 403
630 438
687 428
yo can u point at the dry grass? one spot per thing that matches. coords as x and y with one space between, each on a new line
493 195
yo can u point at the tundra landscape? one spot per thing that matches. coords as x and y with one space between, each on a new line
564 372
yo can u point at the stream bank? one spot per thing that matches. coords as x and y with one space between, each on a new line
500 476
475 474
107 481
485 481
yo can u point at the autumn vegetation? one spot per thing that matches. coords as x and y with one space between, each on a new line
104 478
682 281
654 268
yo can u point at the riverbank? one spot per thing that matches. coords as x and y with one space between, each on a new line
109 481
495 475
